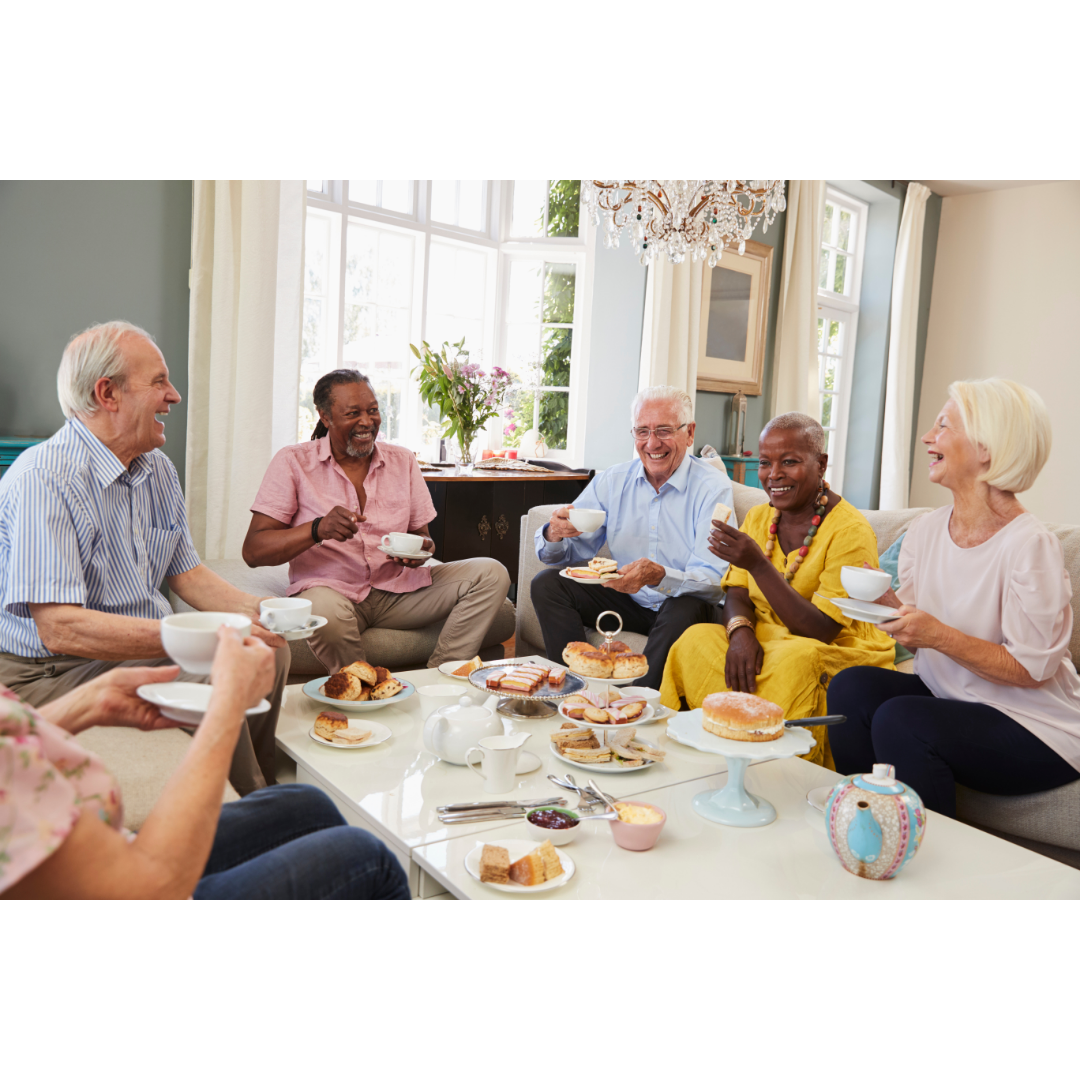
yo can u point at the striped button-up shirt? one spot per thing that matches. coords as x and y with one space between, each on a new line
670 526
76 527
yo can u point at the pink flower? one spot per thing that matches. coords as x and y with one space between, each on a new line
509 412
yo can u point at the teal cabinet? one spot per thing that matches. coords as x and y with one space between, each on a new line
743 470
10 449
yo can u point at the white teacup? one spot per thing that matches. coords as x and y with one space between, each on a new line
862 583
587 521
436 696
500 756
191 639
285 613
405 543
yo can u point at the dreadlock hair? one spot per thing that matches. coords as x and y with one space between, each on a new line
323 394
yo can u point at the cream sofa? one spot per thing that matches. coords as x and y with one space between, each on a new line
1048 822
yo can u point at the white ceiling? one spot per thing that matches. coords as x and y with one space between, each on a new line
974 187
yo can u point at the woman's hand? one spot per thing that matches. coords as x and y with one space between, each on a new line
744 659
735 547
111 700
243 671
915 629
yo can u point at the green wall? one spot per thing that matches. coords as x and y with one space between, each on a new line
77 252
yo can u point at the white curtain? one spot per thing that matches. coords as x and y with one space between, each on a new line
900 380
672 325
795 362
247 297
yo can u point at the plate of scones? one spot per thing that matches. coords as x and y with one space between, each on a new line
360 686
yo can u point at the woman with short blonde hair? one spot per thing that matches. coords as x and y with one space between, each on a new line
984 602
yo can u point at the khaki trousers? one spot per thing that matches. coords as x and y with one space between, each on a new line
40 680
468 594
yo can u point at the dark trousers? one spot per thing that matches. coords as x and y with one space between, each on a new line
935 743
289 842
565 608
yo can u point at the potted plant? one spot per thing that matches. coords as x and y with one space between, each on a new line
466 395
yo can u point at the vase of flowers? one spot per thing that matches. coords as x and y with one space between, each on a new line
466 395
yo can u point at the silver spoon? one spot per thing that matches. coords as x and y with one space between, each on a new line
605 799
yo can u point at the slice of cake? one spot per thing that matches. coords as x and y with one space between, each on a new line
552 863
468 668
557 676
495 864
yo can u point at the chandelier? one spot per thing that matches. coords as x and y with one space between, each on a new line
676 217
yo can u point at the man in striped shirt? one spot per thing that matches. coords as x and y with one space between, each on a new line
92 522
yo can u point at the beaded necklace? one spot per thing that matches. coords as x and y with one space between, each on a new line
822 501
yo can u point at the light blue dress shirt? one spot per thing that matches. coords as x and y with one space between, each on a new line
670 526
76 527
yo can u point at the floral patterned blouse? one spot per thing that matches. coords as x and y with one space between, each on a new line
46 781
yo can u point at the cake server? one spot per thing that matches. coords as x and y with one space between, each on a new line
814 721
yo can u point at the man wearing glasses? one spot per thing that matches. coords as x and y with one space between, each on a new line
659 509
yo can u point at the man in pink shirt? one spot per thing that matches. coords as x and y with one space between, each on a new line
324 507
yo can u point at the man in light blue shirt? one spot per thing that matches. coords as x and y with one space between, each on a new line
659 511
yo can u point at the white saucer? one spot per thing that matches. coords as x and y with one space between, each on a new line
316 622
527 762
585 581
451 666
863 611
818 797
379 734
185 702
516 849
425 555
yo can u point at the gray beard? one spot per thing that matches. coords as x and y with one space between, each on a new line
353 452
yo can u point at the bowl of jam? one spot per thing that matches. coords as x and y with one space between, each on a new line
554 823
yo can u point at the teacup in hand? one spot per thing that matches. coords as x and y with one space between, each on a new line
191 639
403 543
282 614
586 521
863 583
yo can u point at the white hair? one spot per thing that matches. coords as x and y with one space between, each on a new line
682 401
91 355
812 431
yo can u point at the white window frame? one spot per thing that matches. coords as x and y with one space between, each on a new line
498 203
845 309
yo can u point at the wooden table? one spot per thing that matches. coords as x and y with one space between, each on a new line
479 512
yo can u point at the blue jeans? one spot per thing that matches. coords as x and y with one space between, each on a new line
936 743
289 842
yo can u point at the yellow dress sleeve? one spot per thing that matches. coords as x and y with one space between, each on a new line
852 543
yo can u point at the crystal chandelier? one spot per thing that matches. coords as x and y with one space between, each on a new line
676 217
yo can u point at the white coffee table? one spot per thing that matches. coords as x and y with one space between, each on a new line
791 858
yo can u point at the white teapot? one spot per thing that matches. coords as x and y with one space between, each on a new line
451 730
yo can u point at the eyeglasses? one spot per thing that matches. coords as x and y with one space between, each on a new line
642 433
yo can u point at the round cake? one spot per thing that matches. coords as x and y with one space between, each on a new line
742 717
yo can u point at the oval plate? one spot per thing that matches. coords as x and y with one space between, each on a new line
312 690
379 734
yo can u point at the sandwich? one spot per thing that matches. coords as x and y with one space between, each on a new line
352 736
495 864
722 513
603 566
589 756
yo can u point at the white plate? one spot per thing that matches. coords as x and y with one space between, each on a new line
316 622
606 766
863 611
818 797
312 690
516 849
425 555
584 581
685 728
648 716
451 666
527 762
380 733
185 702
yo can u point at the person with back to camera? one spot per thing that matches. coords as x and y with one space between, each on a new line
984 601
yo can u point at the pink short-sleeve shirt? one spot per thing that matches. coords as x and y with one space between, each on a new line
304 482
46 781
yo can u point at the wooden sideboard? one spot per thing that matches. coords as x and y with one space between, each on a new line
480 513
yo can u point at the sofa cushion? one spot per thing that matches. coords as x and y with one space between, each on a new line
398 650
1051 817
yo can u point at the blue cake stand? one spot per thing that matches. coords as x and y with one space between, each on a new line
733 804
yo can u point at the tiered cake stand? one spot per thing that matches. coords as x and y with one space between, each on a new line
536 706
733 804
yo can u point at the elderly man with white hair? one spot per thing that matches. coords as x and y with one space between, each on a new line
92 523
659 509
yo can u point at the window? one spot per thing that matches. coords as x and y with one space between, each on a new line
498 263
843 237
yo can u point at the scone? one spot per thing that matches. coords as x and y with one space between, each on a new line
630 665
387 688
573 649
345 686
593 664
743 717
363 671
381 674
328 724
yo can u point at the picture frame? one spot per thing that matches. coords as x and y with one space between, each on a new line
734 313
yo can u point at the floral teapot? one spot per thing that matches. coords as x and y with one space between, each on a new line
875 823
451 730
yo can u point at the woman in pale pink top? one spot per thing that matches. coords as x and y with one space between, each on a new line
984 602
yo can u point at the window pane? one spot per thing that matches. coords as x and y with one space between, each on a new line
457 290
471 204
554 414
397 195
826 410
820 335
829 374
444 201
390 393
564 204
844 237
523 303
827 224
836 337
523 352
559 292
318 186
363 191
556 365
529 199
840 274
823 272
521 403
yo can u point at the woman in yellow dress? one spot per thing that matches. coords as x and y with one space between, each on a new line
782 639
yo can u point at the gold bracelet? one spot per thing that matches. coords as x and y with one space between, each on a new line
734 624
